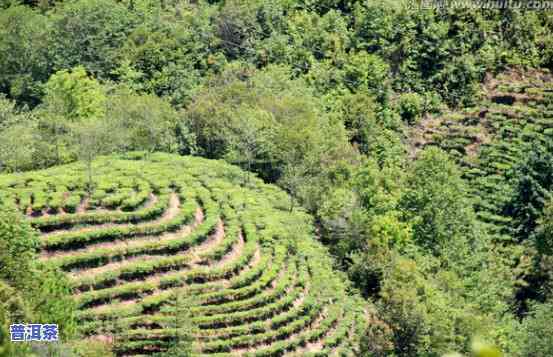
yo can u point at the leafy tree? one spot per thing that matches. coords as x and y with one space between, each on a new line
437 201
18 151
533 182
12 308
290 126
142 122
248 141
536 341
24 64
72 117
410 107
367 72
293 179
92 138
74 96
237 28
51 300
180 309
167 55
89 33
45 291
544 234
18 244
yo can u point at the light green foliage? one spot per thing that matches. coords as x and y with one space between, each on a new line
12 308
74 96
142 122
8 112
198 284
29 292
282 120
479 349
75 114
437 201
180 308
410 107
88 348
367 72
18 151
52 302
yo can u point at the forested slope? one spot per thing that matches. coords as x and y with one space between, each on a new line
416 136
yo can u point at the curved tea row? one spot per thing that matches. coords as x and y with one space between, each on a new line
515 117
168 238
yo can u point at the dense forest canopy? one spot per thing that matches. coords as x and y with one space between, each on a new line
420 139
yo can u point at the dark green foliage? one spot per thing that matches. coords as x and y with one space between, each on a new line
29 292
544 234
533 183
436 201
24 64
18 244
410 107
89 33
536 341
334 101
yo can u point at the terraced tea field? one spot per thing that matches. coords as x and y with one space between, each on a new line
155 234
514 117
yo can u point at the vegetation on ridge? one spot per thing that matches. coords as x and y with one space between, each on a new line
417 139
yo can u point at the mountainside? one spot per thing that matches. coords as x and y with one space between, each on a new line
493 140
164 249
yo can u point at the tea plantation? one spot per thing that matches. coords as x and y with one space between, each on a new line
167 247
493 140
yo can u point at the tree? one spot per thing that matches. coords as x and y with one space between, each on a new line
18 246
179 308
18 150
544 234
533 182
536 341
237 29
74 96
436 201
142 122
29 291
24 62
249 141
292 180
51 300
12 308
288 119
90 139
89 33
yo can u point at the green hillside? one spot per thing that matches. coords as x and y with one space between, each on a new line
168 237
495 139
367 178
